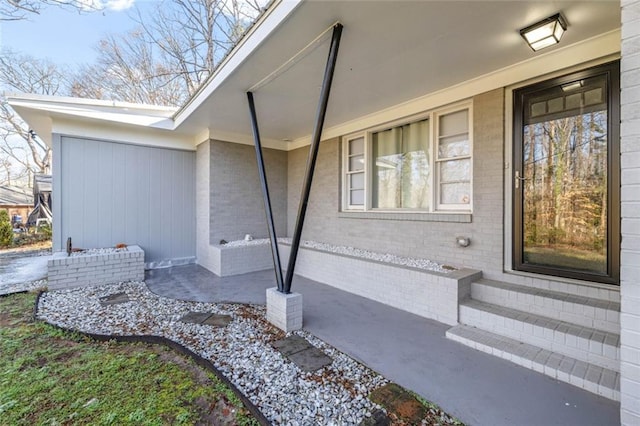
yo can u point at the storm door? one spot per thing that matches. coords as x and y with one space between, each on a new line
566 176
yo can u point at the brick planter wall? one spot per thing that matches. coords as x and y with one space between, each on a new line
425 293
93 269
236 260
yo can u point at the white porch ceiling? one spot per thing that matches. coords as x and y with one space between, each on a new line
391 52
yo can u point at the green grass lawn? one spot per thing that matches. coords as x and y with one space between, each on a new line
48 376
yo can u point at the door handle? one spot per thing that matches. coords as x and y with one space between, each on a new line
518 179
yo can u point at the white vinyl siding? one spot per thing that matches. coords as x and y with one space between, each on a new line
110 193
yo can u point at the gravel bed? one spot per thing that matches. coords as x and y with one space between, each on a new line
334 395
412 262
17 288
94 251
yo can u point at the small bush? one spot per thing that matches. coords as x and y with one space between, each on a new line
6 231
45 230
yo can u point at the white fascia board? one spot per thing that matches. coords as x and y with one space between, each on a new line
62 102
258 33
40 123
137 115
606 46
146 136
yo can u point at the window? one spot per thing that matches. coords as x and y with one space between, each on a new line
411 166
454 160
355 172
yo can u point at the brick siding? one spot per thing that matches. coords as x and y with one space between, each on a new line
630 204
434 240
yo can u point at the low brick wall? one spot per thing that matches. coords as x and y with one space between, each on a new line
425 293
236 260
91 269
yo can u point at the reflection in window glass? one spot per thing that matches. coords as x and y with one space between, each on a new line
454 155
401 167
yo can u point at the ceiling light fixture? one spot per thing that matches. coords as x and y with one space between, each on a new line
544 33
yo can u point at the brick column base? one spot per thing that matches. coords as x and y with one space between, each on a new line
284 310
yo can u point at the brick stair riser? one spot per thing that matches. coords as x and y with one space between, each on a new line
555 373
585 315
589 350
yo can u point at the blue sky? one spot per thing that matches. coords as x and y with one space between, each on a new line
66 36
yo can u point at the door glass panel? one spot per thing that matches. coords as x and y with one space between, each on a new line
564 171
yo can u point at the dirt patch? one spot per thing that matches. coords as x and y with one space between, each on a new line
5 320
404 408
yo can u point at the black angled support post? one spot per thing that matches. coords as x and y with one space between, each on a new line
313 152
265 194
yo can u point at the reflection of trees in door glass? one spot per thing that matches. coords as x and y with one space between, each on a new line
565 191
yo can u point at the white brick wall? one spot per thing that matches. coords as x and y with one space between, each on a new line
84 270
206 255
229 204
433 239
238 260
284 310
630 200
236 203
428 294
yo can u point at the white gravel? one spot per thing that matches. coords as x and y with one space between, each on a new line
412 262
20 287
94 251
335 395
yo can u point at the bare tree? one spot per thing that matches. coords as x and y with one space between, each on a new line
196 34
19 144
15 10
171 54
129 69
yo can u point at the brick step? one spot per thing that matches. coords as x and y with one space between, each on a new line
584 343
593 378
589 312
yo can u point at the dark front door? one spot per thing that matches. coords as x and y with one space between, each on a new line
566 176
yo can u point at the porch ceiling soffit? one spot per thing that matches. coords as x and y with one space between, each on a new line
391 52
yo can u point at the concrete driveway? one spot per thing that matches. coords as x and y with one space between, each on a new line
22 267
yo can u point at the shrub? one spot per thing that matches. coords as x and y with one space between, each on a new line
45 230
6 231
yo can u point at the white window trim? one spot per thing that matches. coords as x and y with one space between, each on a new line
346 192
436 171
435 206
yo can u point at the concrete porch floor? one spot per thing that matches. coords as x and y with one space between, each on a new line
412 351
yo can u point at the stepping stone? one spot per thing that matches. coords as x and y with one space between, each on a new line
206 318
114 299
195 317
302 353
291 345
217 320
